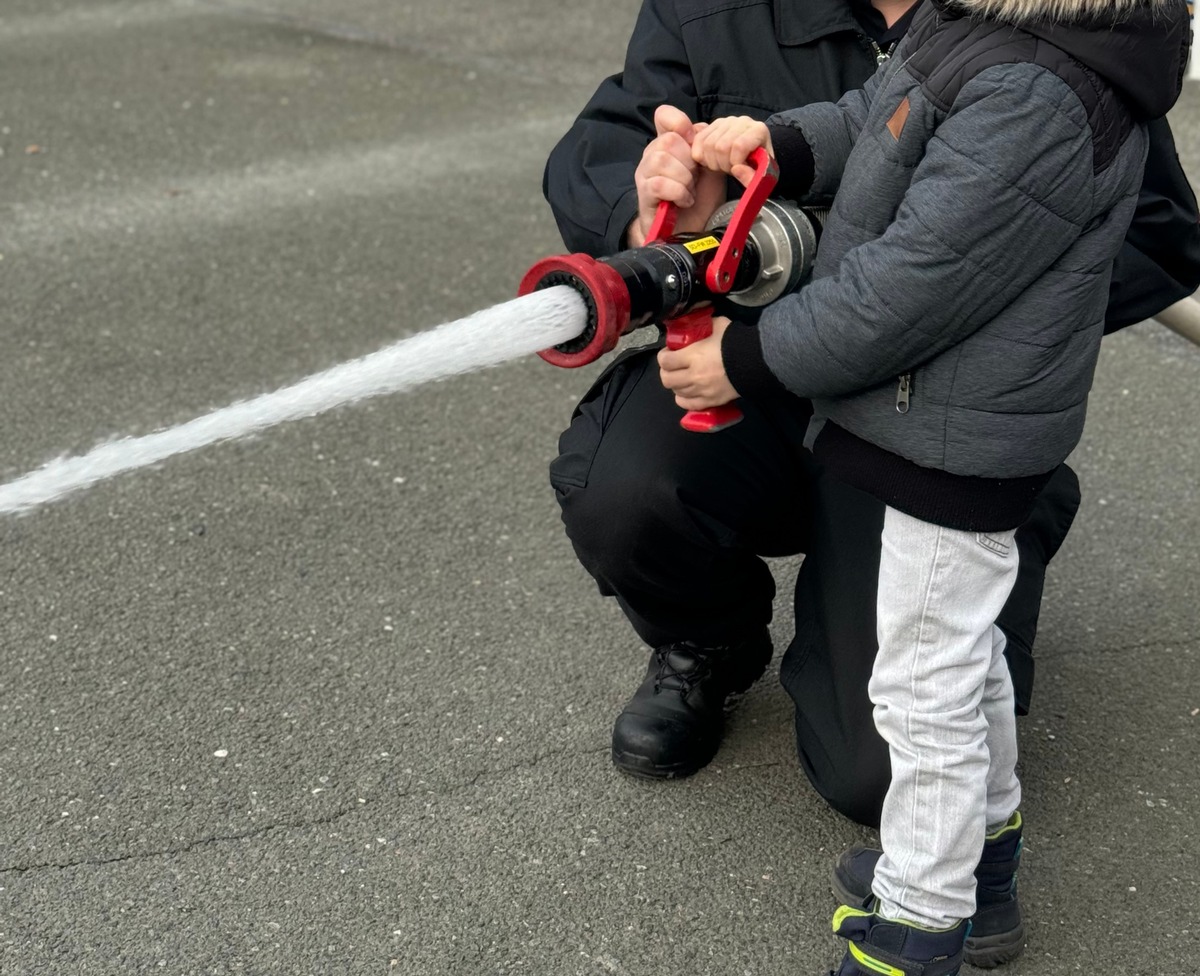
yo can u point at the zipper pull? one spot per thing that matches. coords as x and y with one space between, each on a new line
903 391
880 54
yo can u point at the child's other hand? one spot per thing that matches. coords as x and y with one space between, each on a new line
667 171
696 373
726 143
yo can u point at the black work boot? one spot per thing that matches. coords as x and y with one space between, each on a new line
672 725
997 931
880 945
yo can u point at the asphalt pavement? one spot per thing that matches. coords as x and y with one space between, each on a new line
336 699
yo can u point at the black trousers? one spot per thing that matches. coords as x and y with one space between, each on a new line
674 525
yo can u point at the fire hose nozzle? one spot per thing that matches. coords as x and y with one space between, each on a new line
753 251
659 281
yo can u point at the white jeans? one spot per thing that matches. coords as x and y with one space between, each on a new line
944 704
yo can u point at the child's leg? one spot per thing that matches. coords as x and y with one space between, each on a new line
1003 787
940 591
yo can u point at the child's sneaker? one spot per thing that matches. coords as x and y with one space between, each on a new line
881 946
997 931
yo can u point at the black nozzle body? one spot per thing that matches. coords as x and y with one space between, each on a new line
666 278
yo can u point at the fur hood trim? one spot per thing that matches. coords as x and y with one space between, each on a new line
1059 11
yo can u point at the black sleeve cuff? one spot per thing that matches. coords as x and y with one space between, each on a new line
797 167
742 356
618 223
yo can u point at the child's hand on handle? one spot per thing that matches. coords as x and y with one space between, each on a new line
668 172
696 373
726 143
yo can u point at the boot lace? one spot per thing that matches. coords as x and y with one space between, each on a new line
686 677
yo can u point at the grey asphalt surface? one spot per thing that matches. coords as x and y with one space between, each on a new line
337 699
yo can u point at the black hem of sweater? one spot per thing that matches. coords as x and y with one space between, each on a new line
797 167
955 501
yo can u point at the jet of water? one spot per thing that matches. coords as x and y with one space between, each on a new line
489 337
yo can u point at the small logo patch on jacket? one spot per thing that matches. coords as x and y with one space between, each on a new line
899 117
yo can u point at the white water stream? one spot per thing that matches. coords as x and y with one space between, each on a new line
516 328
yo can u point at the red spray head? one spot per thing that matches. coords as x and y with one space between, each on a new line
605 295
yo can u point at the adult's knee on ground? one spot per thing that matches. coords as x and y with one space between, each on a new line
856 787
841 753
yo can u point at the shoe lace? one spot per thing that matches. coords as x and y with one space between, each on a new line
686 676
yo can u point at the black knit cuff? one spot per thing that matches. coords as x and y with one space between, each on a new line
797 168
742 355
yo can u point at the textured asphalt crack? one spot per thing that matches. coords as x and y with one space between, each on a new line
181 849
333 817
451 790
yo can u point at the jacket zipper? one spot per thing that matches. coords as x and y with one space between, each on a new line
904 391
905 388
880 54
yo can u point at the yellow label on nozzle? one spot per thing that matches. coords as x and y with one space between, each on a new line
702 244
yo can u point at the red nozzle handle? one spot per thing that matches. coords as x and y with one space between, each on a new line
719 276
664 222
683 331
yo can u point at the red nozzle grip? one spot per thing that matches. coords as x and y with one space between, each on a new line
683 331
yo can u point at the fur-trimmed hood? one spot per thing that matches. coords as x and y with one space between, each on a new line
1139 47
1059 11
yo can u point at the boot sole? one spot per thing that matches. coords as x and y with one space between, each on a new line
990 951
643 768
843 894
983 952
